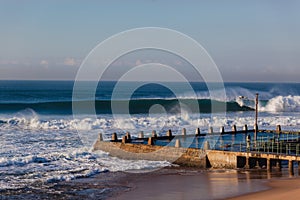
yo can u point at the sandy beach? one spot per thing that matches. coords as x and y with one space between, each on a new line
279 189
178 184
216 184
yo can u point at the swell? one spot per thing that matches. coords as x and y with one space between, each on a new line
135 106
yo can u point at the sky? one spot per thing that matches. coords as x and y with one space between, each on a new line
251 41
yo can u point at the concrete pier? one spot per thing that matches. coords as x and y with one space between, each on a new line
264 155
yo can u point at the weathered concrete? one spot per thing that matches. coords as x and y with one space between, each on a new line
197 157
222 159
194 157
177 155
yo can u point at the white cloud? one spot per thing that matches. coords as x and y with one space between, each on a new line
138 62
44 62
70 62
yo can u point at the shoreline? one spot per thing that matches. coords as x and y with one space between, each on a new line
191 183
285 188
169 183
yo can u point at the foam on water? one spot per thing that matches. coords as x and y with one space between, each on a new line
19 172
283 104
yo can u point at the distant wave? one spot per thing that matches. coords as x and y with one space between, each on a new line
136 106
171 105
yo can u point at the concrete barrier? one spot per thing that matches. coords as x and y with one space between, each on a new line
114 137
197 132
177 143
154 134
141 135
222 130
183 132
169 133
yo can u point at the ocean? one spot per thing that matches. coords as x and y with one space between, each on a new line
42 143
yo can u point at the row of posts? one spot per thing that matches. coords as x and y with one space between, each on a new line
127 137
169 132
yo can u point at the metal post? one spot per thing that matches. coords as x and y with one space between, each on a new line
256 116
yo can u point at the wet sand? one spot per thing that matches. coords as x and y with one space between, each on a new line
279 189
189 184
168 183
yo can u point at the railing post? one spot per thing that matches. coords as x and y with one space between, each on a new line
256 117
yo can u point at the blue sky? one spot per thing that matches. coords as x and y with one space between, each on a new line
249 40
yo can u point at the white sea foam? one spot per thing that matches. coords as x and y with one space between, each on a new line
283 104
54 166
